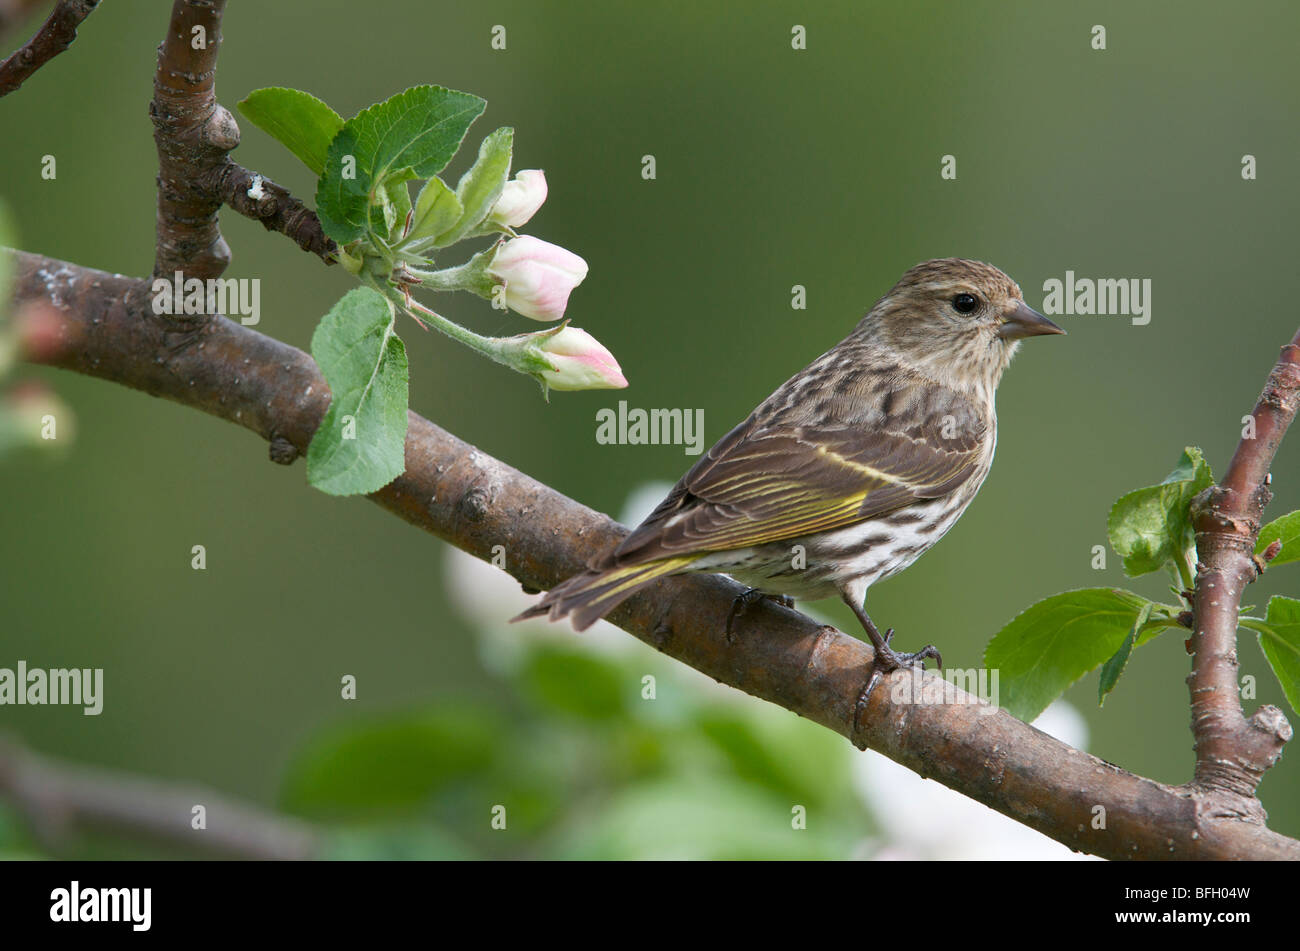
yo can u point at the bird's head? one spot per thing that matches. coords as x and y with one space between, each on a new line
956 321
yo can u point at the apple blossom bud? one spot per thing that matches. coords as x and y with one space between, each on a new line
580 361
32 414
538 276
41 334
520 198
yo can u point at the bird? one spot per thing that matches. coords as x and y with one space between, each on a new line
846 474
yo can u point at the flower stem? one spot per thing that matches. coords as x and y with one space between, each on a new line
489 347
471 276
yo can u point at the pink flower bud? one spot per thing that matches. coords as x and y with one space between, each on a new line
538 276
42 331
33 414
581 362
520 198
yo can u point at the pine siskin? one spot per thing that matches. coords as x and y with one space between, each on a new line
863 459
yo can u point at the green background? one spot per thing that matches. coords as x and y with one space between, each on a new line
775 167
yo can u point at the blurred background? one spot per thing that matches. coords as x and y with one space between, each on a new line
775 167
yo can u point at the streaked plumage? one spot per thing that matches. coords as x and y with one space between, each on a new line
864 459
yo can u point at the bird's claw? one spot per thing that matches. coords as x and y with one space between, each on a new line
887 660
890 660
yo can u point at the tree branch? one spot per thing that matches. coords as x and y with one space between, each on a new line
1232 752
100 325
276 209
14 12
56 796
194 135
55 35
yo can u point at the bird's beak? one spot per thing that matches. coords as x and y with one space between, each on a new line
1023 321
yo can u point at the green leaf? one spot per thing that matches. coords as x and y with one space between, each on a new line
359 446
696 817
1286 529
1281 645
480 187
393 763
1150 526
780 753
1111 670
1053 643
296 119
419 129
392 842
436 209
577 683
395 199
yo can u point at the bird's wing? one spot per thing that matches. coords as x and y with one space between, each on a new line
769 479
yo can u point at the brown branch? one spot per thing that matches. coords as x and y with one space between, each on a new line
276 209
55 35
14 12
103 328
194 135
1233 752
56 797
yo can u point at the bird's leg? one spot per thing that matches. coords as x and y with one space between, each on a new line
745 599
886 658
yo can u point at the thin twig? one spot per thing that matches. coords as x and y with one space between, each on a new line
58 797
102 327
194 135
1233 752
55 35
15 12
274 207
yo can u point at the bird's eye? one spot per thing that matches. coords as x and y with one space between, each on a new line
965 303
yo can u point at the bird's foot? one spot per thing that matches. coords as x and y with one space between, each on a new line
888 660
745 599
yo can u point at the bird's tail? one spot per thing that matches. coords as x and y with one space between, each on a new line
588 597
